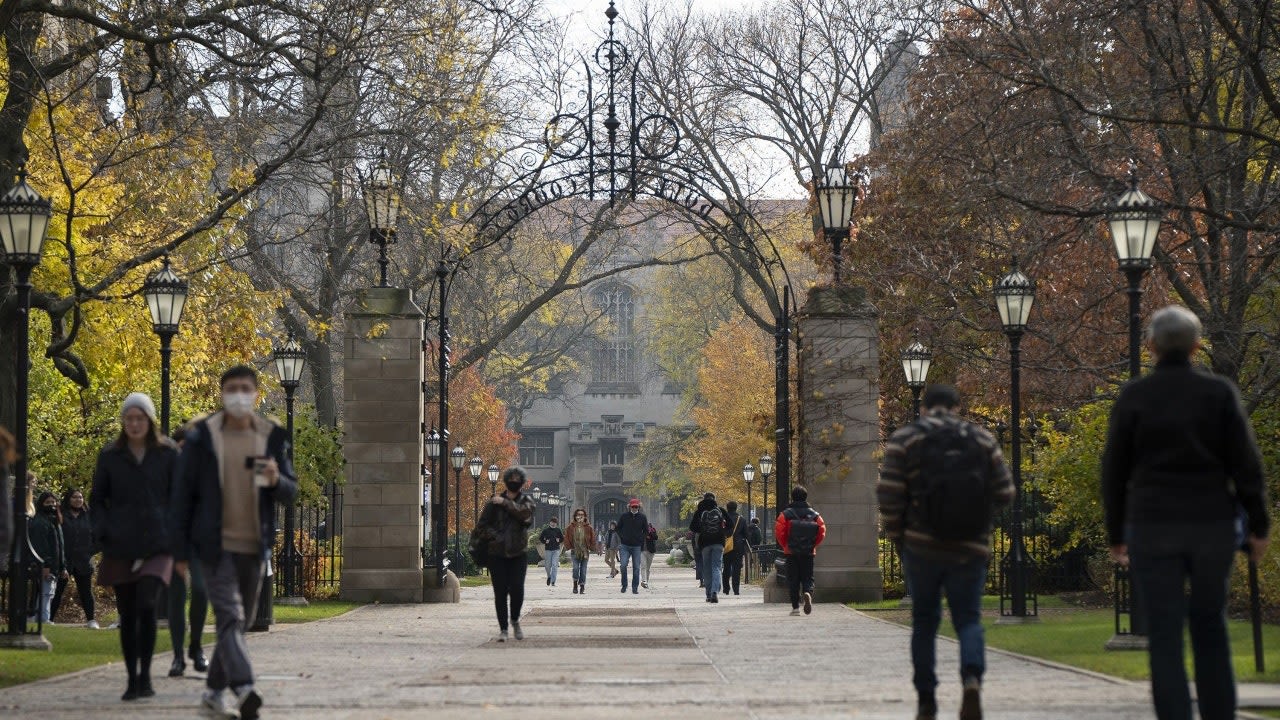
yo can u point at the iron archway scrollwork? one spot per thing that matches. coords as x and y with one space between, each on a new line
611 147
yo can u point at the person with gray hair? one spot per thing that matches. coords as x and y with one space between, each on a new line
1180 465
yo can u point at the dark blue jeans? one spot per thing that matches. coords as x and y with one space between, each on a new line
1164 561
962 581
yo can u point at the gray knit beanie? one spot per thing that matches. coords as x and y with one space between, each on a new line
142 401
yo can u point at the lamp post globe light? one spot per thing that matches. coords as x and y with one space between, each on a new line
1014 295
1134 221
494 474
837 193
766 469
916 360
24 223
476 469
290 360
458 460
166 296
382 205
748 476
432 444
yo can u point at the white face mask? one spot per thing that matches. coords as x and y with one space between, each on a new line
239 404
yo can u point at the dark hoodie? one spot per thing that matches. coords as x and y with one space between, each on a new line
705 539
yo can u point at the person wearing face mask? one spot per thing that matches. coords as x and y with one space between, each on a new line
77 532
580 541
509 515
130 502
44 533
633 526
551 538
235 468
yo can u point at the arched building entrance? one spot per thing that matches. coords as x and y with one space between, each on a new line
606 507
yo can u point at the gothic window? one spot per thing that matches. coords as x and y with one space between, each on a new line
613 451
615 360
537 448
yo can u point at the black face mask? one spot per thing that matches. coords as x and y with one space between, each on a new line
514 486
49 509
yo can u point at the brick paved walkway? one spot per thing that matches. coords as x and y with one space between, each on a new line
662 654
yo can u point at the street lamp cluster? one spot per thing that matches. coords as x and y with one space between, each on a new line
1134 221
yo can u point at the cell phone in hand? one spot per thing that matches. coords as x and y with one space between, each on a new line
258 464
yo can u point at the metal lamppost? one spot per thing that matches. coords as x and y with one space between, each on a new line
166 295
290 359
433 444
382 204
476 468
837 193
458 459
24 221
915 365
1014 296
1134 221
748 476
494 474
766 469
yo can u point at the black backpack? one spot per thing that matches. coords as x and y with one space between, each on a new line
951 495
802 537
711 524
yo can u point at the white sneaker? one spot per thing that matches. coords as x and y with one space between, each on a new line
93 625
213 702
502 636
795 612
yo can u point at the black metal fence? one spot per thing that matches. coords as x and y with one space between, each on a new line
1051 572
317 557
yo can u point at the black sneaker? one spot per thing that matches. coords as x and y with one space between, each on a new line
927 708
248 702
131 691
971 705
548 582
198 661
715 598
145 690
177 667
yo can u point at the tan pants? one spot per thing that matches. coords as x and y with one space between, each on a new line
611 559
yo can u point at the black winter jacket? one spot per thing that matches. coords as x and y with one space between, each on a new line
632 529
703 540
510 522
45 536
739 534
197 497
1180 451
129 503
77 533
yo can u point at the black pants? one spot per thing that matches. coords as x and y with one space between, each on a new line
799 575
84 588
732 571
136 602
179 614
507 575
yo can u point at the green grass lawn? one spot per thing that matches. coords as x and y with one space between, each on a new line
76 647
1076 636
474 581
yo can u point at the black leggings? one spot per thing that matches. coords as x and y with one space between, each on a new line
507 575
136 602
84 588
198 613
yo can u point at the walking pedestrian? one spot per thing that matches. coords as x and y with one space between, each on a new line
1180 464
508 516
800 530
650 549
632 528
940 484
182 614
735 548
130 506
45 540
755 538
709 528
235 469
611 545
77 535
551 538
580 539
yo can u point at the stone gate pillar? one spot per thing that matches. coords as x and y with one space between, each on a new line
382 421
839 432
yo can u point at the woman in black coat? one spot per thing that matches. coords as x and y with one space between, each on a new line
45 545
77 535
130 499
509 516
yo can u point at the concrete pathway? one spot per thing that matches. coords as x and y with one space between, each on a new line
661 654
